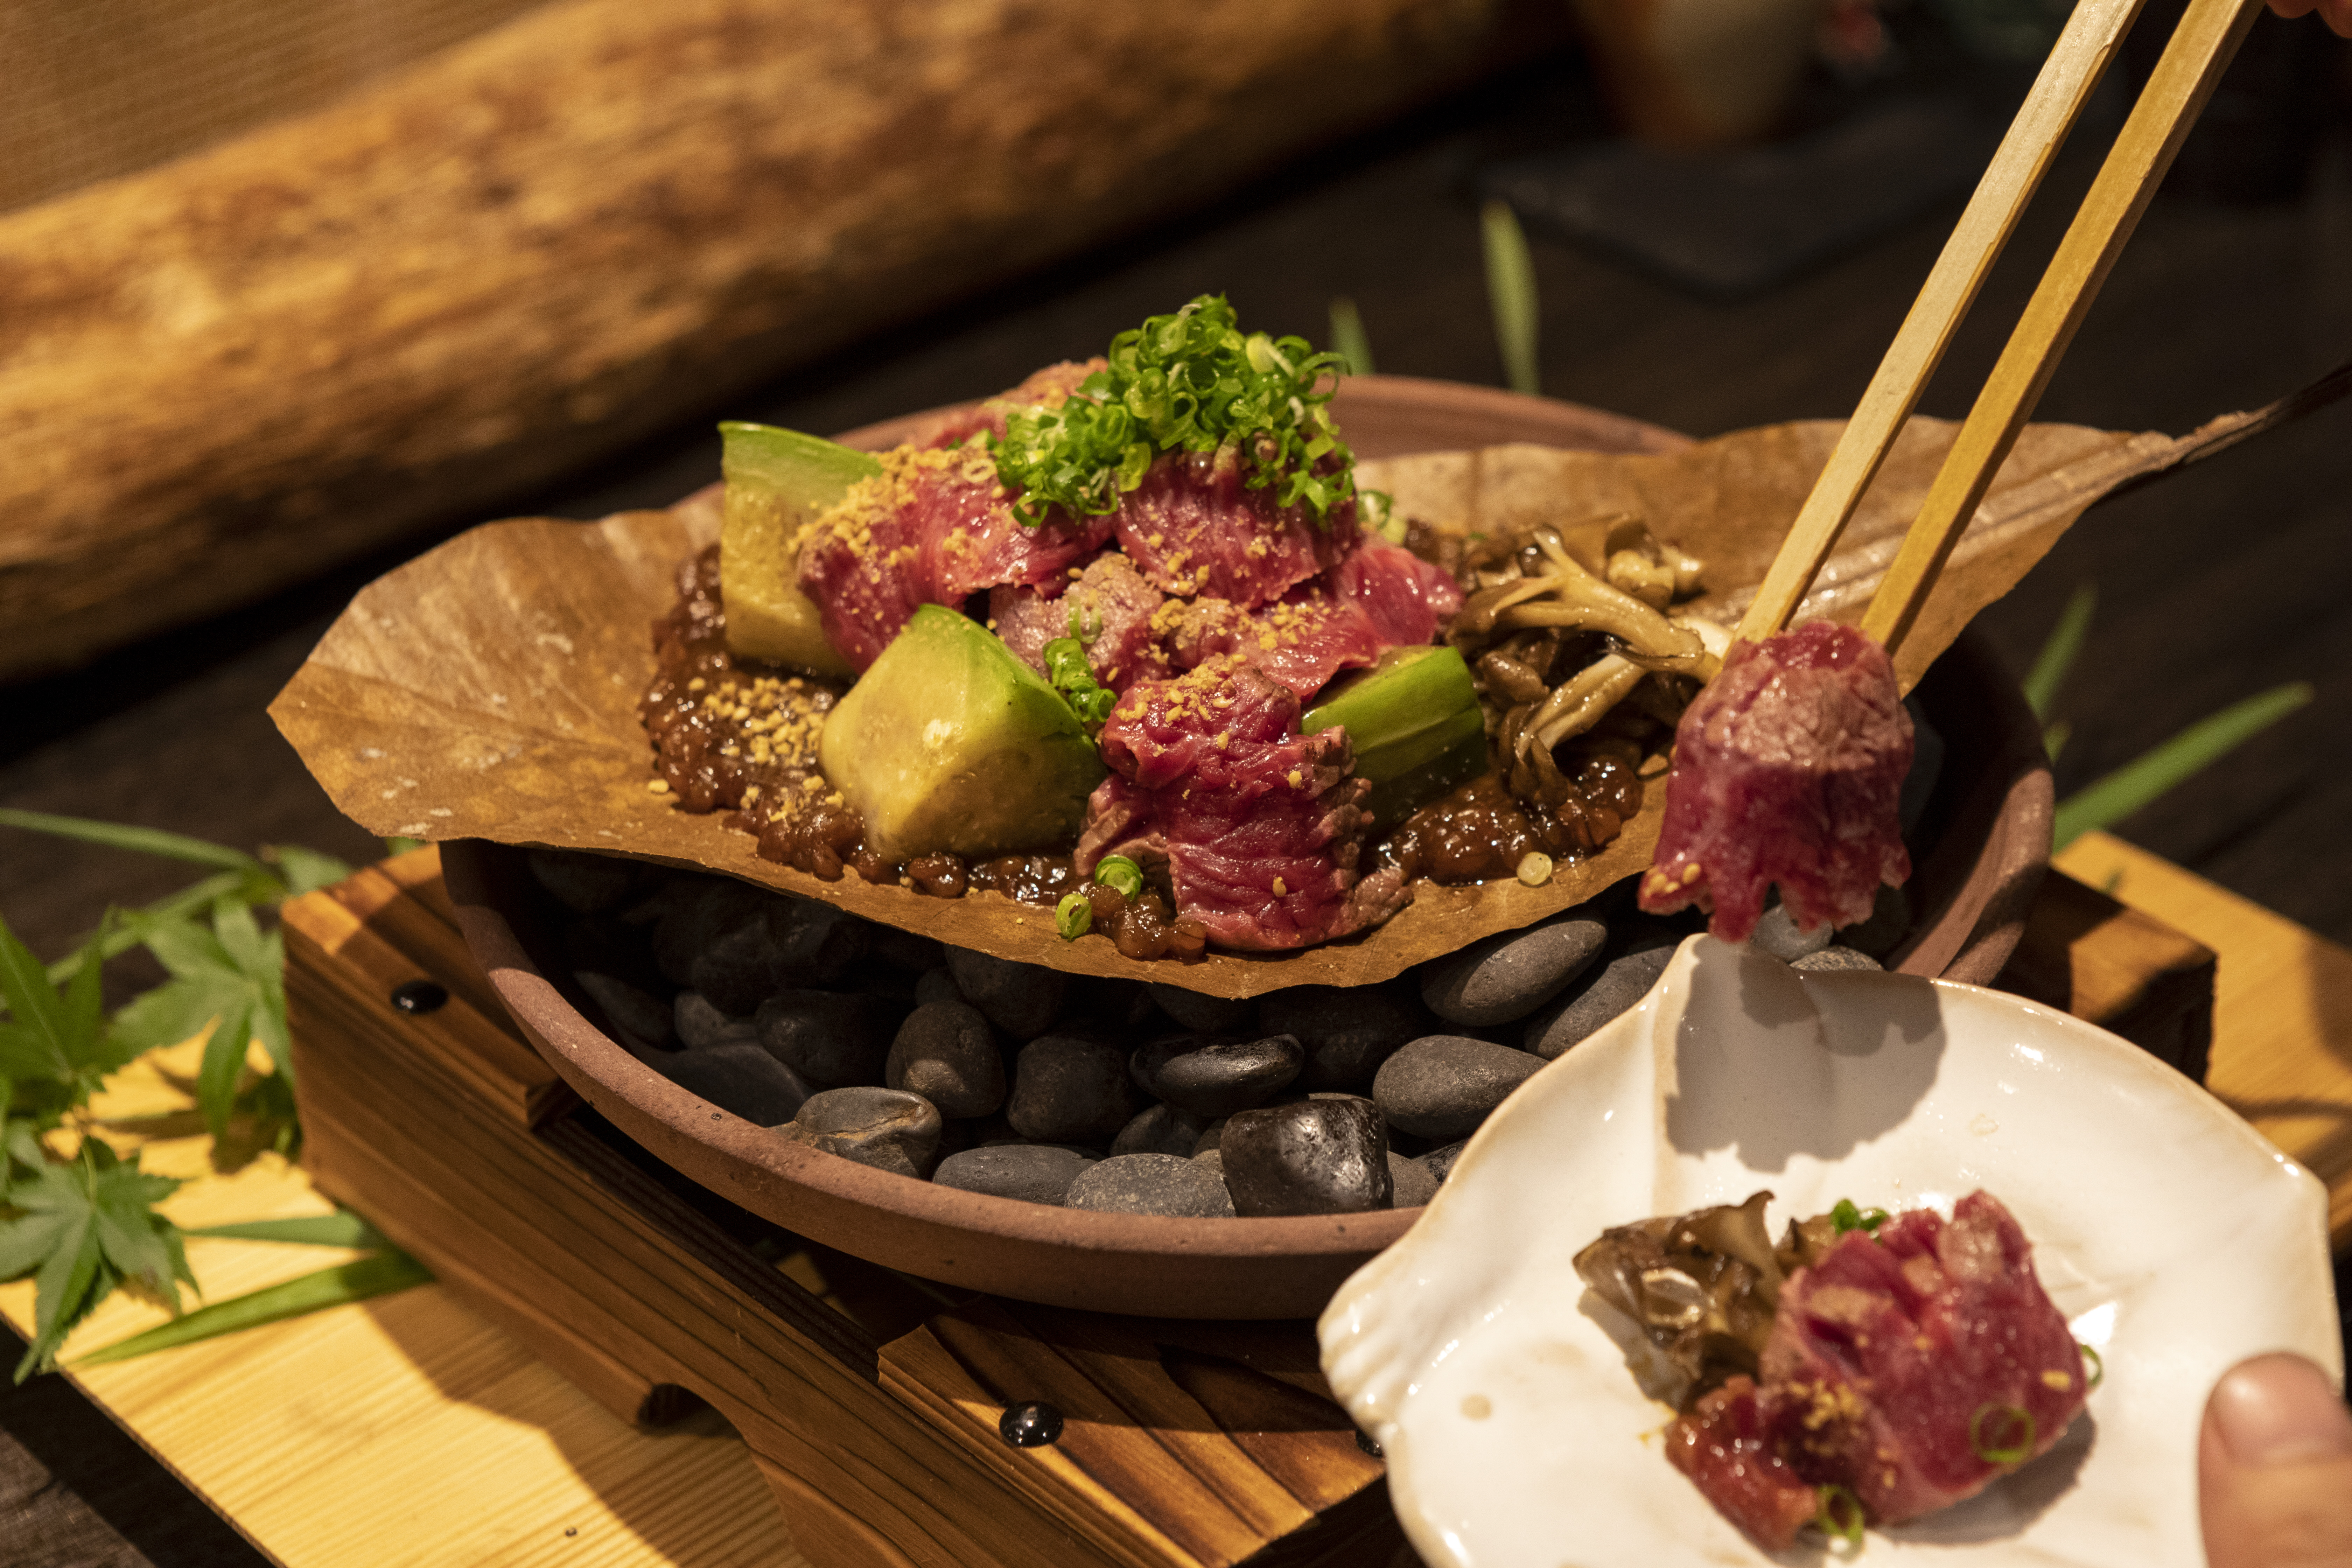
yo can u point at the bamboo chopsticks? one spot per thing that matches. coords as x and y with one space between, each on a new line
2199 50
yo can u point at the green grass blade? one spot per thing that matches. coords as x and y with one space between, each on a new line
121 835
130 931
341 1229
347 1282
2057 656
2054 736
1347 337
2147 776
1511 291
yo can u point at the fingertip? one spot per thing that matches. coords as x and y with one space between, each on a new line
2277 1409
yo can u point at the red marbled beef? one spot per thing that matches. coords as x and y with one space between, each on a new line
1260 827
1112 608
934 527
1884 1352
1722 1444
1380 598
1047 388
1195 527
1788 768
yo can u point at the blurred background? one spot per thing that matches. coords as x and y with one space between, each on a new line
291 290
288 291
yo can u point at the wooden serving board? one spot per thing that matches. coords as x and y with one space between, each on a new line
513 1413
869 1401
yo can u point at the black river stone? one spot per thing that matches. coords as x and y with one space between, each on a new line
1619 984
1034 1173
887 1129
1445 1085
741 1078
1346 1031
947 1053
1316 1156
1021 999
1205 1013
1220 1078
1069 1089
830 1037
1510 975
1151 1183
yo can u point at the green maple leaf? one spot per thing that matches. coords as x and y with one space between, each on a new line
54 1047
231 977
81 1227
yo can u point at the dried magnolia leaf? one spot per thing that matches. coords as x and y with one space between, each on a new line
488 688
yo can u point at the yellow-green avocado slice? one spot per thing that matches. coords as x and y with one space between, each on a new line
949 742
777 482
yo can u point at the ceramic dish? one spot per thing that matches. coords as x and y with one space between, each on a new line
2173 1238
1981 848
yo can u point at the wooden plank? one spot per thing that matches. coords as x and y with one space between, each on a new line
477 1048
404 1431
2282 1010
2084 952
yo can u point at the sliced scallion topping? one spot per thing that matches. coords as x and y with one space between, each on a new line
1121 874
2001 1433
1074 916
1840 1515
2098 1366
1846 1217
1067 668
1190 382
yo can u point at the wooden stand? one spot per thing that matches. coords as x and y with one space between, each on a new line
871 1401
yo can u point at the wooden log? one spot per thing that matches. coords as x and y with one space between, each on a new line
234 372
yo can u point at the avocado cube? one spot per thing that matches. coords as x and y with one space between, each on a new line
777 482
949 742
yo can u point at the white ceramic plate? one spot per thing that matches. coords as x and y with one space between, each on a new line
2173 1238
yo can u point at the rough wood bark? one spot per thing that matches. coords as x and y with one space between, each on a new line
231 372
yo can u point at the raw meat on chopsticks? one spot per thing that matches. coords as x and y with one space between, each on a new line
1788 769
1261 828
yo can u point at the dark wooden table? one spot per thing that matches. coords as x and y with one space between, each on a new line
2213 585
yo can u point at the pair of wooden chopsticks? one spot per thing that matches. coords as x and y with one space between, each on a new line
2201 50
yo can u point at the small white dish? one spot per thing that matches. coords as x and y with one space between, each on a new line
2175 1239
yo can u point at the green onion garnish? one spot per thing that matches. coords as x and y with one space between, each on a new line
1119 872
2098 1366
1191 382
1074 916
1846 1217
1066 666
2014 1422
1840 1515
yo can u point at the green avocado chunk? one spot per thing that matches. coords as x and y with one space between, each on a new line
1411 708
777 482
949 742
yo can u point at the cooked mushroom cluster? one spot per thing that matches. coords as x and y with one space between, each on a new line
1571 636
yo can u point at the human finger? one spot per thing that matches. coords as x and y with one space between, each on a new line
2274 1467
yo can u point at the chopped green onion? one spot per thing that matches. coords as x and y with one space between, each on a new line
2014 1421
1066 666
1074 916
1846 1217
1840 1515
2098 1366
1190 382
1116 871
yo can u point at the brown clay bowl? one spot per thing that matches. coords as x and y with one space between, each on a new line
1985 841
